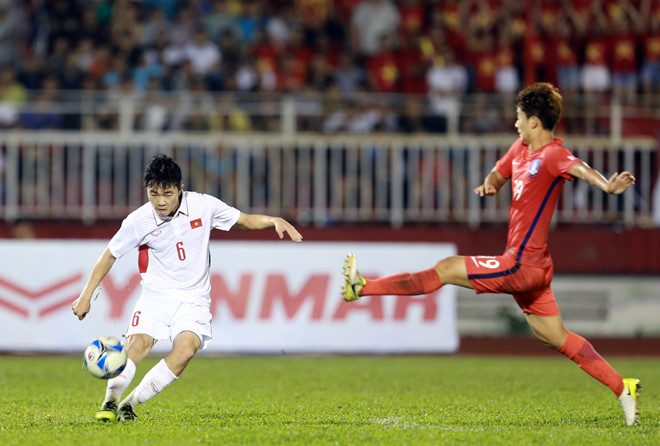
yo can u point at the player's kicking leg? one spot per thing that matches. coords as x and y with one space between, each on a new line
353 281
629 399
403 284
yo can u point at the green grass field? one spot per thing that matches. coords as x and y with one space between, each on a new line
333 400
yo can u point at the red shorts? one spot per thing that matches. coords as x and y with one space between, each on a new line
529 285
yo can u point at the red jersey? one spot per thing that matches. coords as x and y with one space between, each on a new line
624 54
536 182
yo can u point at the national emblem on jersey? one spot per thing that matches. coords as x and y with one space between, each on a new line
196 223
534 167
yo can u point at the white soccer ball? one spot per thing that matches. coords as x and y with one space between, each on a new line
105 357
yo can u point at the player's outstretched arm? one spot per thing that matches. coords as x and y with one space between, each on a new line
256 221
493 182
617 184
82 305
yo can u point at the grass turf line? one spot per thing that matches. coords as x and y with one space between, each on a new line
334 400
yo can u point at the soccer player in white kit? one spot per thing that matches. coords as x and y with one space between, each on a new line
172 233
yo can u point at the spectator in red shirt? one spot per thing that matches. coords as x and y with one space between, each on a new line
650 72
412 17
595 76
384 73
412 64
624 61
565 59
484 61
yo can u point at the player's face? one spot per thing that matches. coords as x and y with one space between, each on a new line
522 124
164 201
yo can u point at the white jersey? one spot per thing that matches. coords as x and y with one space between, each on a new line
174 256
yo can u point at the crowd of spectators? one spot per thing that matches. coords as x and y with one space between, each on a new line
332 54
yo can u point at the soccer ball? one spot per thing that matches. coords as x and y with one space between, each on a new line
105 357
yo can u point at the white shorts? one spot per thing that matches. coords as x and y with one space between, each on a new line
163 319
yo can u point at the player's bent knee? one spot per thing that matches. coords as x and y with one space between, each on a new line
451 270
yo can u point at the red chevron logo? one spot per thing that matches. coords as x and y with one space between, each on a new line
36 295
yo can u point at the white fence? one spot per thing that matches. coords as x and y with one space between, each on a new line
307 178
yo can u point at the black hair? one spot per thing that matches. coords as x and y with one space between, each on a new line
542 100
162 171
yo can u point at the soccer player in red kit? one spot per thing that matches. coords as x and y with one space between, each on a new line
537 165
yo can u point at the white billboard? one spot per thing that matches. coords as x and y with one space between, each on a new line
267 297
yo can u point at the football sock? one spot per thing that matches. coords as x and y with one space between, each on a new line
580 351
118 385
156 379
407 284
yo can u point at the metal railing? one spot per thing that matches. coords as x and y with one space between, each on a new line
307 178
449 114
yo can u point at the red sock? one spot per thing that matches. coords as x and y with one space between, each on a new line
405 284
580 351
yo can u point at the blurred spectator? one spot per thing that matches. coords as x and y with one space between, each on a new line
624 27
148 70
484 62
221 21
204 55
181 32
447 81
57 58
596 76
650 73
154 116
594 48
85 54
292 74
319 76
251 21
231 53
31 75
90 28
230 116
43 113
12 29
415 119
372 19
382 67
11 91
412 14
156 25
349 75
507 80
63 19
101 63
12 97
565 59
412 65
247 75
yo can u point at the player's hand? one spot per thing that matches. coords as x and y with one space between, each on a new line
282 226
619 182
485 190
81 307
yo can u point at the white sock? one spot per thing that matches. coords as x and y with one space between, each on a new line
118 385
156 379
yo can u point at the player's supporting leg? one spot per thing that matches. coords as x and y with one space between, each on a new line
552 332
113 392
184 347
356 286
138 346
